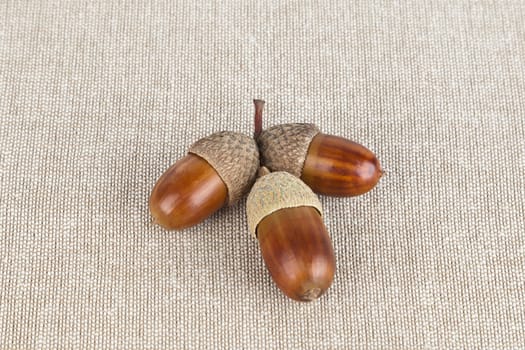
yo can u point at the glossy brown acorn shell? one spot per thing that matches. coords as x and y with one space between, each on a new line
336 166
187 193
297 251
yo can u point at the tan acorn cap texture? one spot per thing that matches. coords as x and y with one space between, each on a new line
234 156
284 147
276 191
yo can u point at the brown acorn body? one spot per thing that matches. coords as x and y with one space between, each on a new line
330 165
187 193
339 167
297 251
218 170
286 217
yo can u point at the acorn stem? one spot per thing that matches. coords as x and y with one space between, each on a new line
259 106
263 171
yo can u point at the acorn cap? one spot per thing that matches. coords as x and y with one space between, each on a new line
234 156
284 147
276 191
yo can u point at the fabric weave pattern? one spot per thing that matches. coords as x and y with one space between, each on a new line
99 97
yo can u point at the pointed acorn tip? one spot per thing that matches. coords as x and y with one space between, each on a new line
311 294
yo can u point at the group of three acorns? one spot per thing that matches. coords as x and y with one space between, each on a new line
281 168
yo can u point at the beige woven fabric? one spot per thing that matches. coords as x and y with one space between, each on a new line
99 97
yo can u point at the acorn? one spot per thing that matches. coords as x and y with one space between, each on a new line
217 171
286 218
330 165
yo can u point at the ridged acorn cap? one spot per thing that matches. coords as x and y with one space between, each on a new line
276 191
234 156
284 147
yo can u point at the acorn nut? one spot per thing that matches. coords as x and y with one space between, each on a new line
330 165
285 216
217 171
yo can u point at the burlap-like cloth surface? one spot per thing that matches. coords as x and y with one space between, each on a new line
99 97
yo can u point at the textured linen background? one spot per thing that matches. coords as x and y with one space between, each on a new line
98 98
